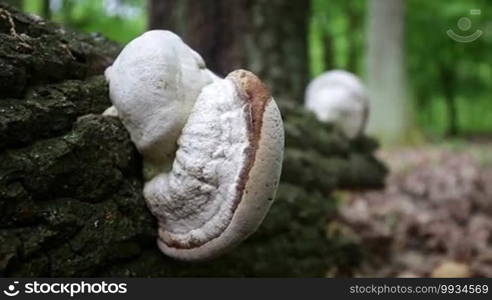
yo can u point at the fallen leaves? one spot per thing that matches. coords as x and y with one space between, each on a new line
433 219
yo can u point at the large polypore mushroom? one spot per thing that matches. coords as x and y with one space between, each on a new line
339 97
224 138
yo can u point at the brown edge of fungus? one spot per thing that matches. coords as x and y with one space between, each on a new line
255 95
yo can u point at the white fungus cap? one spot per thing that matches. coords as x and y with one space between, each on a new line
339 97
226 170
153 84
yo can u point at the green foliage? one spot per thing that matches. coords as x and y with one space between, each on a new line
438 67
119 20
33 6
336 36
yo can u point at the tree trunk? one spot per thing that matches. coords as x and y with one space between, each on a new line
329 50
46 10
162 14
386 73
354 27
448 81
266 37
71 182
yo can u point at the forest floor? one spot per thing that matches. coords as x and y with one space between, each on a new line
433 219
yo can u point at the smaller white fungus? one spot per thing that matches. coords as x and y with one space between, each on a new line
340 98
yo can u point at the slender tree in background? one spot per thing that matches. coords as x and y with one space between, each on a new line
329 51
390 115
448 82
267 37
337 38
46 10
355 18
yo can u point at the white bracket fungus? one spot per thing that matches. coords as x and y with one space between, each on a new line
215 146
339 97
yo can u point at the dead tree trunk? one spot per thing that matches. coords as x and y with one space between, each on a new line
70 180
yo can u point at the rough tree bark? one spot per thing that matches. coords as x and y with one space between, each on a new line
70 179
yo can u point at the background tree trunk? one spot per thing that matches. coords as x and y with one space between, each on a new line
385 70
448 81
46 10
329 51
354 26
71 183
266 37
162 14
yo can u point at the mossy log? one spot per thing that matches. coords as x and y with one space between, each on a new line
70 179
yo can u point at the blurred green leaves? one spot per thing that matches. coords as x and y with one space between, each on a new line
119 20
440 71
440 68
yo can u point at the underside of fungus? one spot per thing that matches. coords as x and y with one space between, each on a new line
215 146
